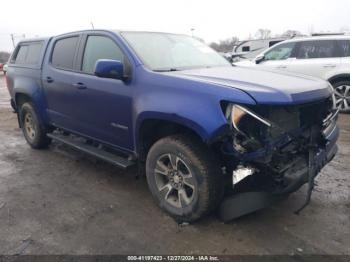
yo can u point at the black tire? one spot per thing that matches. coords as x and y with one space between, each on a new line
342 95
204 173
33 131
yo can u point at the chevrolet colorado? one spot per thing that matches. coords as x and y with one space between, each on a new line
206 134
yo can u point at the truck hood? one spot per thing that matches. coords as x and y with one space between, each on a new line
265 87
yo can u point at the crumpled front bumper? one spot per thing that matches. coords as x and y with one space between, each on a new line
322 157
241 204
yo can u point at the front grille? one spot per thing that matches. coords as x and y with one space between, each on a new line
290 125
289 118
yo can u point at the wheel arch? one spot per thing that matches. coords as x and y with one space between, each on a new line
337 78
151 129
22 97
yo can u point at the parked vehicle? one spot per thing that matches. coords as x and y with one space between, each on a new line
327 57
206 133
249 49
1 67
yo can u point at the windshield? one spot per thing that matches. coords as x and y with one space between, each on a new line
170 52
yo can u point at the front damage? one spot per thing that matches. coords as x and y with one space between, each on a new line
275 151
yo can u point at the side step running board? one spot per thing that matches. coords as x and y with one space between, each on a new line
92 150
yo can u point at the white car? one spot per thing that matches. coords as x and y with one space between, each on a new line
326 57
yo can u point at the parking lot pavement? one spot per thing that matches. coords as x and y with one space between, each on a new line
58 201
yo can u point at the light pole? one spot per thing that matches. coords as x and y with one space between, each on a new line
13 40
192 29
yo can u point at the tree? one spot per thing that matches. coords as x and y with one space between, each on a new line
4 57
263 33
225 45
291 33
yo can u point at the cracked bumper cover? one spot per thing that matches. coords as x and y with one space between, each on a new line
241 204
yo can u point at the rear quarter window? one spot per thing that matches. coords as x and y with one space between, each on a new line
344 47
63 53
21 55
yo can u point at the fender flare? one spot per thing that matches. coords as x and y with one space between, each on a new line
205 136
38 106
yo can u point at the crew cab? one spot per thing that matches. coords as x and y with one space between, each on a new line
205 133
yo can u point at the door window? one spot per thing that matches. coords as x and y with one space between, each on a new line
63 53
99 47
280 52
316 49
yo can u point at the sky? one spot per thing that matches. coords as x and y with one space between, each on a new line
211 20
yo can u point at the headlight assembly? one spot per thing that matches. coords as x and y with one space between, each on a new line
250 128
236 113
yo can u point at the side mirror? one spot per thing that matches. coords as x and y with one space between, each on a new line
259 59
107 68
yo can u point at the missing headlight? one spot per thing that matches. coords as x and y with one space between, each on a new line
249 127
236 112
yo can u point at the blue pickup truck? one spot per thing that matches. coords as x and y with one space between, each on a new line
207 135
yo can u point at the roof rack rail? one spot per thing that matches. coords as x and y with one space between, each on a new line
327 34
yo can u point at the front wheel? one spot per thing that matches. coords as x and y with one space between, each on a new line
342 95
184 177
33 132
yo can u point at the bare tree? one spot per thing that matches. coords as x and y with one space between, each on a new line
263 33
291 33
4 57
224 45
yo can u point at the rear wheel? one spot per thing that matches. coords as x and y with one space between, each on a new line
342 95
184 177
33 132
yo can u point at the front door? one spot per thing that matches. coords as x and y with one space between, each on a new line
104 106
279 57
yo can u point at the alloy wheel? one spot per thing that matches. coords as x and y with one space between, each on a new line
174 180
342 97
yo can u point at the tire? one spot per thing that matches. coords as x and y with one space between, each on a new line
184 177
32 130
342 95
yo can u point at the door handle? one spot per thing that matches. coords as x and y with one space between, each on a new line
49 79
80 85
329 65
281 67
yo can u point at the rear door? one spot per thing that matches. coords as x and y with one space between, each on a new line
318 58
103 106
58 81
344 46
278 57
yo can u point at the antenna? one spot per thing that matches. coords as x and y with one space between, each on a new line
92 25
